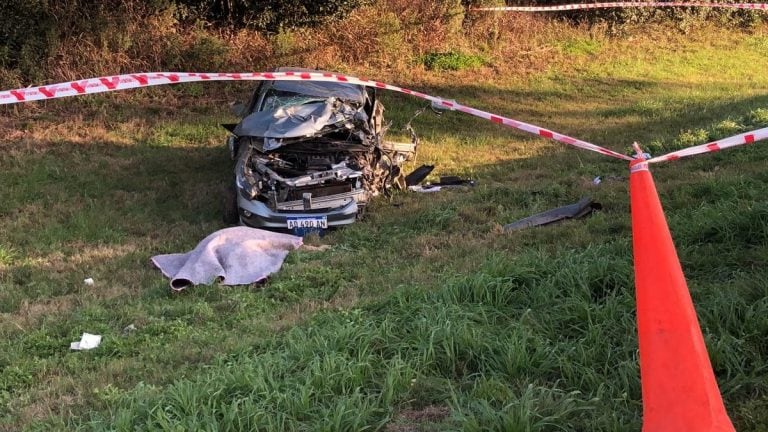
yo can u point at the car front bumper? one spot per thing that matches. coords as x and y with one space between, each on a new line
258 215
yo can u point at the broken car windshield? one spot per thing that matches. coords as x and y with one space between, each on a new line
275 99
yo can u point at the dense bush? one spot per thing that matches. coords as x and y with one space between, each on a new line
27 34
270 15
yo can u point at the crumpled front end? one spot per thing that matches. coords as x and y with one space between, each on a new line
321 160
307 182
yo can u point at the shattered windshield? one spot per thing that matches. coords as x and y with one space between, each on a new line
275 99
343 91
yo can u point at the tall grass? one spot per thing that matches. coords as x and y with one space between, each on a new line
504 346
534 342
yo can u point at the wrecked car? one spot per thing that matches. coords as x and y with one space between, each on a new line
310 155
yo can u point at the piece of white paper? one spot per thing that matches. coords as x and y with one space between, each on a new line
87 341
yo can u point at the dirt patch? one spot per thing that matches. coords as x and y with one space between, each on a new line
56 398
298 313
417 420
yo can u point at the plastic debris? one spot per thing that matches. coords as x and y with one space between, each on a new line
418 175
597 180
454 181
86 342
582 208
88 281
425 189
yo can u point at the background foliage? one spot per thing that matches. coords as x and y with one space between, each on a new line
49 39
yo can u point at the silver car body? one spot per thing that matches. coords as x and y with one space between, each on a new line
312 152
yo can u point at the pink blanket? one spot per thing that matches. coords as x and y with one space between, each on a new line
233 256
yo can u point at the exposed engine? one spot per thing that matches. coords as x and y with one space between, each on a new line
300 179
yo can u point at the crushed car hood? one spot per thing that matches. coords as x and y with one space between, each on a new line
303 120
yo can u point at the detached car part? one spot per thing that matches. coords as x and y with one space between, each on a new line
582 208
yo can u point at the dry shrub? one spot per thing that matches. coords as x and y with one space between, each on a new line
389 34
129 39
387 38
10 78
250 50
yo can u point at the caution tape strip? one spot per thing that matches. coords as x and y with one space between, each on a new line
570 7
734 141
129 81
123 82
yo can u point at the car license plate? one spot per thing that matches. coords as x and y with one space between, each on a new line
321 222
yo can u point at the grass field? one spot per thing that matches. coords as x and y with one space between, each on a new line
423 316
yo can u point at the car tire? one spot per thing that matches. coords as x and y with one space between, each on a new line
230 211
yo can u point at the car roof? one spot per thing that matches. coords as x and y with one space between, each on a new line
346 91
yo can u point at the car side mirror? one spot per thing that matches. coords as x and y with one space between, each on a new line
232 145
238 108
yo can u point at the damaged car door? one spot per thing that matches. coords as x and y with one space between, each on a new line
310 155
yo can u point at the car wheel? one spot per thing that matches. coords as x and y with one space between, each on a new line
230 210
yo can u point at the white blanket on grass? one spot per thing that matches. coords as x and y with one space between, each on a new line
233 256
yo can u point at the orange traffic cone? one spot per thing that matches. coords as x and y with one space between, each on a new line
680 393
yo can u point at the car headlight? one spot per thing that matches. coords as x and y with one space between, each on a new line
246 184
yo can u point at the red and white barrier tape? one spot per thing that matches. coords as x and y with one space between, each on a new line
570 7
734 141
123 82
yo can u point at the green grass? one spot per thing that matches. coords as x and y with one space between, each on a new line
581 46
423 316
452 61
